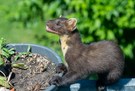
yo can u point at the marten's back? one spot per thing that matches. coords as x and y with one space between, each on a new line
103 55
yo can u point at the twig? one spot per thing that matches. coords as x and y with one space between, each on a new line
3 73
9 76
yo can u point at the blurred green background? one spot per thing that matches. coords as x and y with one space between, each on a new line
23 21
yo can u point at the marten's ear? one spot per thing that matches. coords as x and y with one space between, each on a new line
60 16
72 24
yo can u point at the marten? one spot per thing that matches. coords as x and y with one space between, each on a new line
104 58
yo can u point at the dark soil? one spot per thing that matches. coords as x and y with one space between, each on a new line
36 77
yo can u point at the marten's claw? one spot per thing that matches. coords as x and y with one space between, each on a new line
61 68
56 80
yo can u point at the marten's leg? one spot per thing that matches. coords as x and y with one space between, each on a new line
100 84
113 76
61 68
69 77
107 79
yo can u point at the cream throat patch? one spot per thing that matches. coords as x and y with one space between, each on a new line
64 46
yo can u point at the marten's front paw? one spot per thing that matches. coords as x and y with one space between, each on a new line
61 68
56 80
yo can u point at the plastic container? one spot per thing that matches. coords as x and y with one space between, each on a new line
42 50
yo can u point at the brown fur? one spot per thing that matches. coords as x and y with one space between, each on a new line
104 57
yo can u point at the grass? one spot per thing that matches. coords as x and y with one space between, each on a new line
14 33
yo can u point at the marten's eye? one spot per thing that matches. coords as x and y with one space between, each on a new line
58 23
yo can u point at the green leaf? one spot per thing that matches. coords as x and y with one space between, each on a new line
2 42
4 82
29 48
19 55
5 52
1 61
20 66
11 51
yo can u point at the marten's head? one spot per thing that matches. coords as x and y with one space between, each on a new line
61 26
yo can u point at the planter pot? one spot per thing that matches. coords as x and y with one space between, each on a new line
44 51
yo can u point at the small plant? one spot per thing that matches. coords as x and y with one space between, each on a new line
5 54
5 59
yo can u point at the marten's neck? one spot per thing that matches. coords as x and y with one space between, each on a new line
72 40
75 38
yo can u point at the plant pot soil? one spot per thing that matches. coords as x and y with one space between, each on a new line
34 70
36 76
